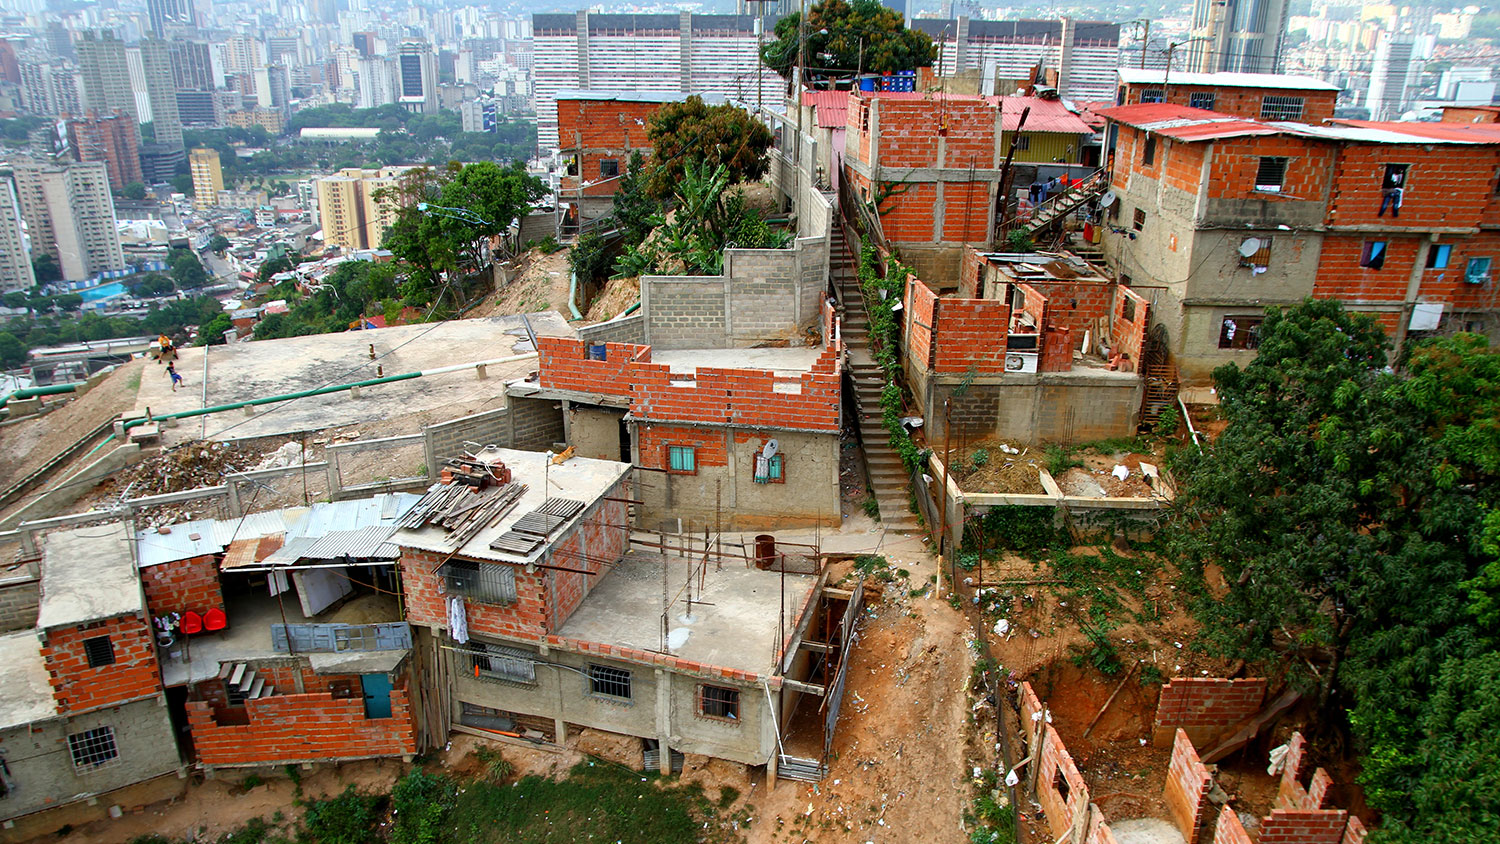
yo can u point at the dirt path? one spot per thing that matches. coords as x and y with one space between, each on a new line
541 286
25 446
901 755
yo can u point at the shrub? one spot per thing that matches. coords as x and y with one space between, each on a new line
346 819
420 805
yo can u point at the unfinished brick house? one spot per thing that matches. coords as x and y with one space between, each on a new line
1258 96
83 714
280 637
544 623
737 438
1035 347
1217 217
930 164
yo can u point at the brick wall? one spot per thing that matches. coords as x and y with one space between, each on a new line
566 366
969 333
1187 787
426 601
1057 350
1445 185
600 129
602 535
1075 305
19 600
655 440
1181 164
1446 284
1128 330
78 688
1205 706
1341 277
1317 106
182 585
1056 772
920 307
1229 830
1303 827
1033 304
312 727
1355 832
907 214
1236 161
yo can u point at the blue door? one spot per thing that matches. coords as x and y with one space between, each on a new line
377 695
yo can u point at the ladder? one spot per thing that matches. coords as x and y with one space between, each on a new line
1065 203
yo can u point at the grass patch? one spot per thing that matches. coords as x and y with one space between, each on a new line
134 381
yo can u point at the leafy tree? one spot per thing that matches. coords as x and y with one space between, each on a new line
272 267
708 136
45 268
843 37
134 191
148 133
590 257
187 270
14 299
218 243
183 184
150 285
707 216
12 351
211 333
634 206
70 302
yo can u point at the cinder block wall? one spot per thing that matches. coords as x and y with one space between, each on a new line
19 599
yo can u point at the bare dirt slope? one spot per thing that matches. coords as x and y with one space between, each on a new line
25 446
542 285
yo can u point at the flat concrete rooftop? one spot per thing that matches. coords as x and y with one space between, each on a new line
88 574
783 360
264 368
579 479
25 692
734 627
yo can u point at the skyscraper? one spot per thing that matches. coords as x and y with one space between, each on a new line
348 211
1242 36
15 264
416 77
105 74
271 88
373 82
192 65
208 178
164 15
1392 77
70 214
156 64
111 139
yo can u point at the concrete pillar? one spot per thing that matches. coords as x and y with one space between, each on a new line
232 487
664 719
482 371
332 459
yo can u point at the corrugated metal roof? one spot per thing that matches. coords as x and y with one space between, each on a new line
1045 116
1138 76
364 543
185 540
830 108
1478 133
1190 124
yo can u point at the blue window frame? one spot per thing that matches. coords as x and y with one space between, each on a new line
682 459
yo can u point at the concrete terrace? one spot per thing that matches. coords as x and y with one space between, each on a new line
264 368
734 626
27 693
787 364
88 574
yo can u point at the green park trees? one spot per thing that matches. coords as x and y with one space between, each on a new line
843 37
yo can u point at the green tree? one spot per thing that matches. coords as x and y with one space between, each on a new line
183 184
709 136
635 207
134 190
211 333
844 37
70 302
590 257
45 268
15 299
218 243
12 351
273 267
150 284
187 271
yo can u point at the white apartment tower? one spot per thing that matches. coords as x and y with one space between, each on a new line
70 214
1392 76
15 264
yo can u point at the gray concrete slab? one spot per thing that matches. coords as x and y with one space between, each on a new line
579 478
27 694
734 626
88 574
1146 831
262 368
788 360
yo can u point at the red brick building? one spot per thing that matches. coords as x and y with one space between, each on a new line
111 139
1221 216
1258 96
930 164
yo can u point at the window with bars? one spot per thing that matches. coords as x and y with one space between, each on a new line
484 582
1240 332
609 167
1261 257
1153 95
1203 99
1276 107
682 459
608 681
719 702
99 651
498 662
93 749
1140 219
1270 175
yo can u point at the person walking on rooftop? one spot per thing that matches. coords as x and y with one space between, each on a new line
176 376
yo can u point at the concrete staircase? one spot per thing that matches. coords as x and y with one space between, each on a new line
888 476
1067 202
242 678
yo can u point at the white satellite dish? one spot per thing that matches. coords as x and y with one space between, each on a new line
1250 246
1107 199
770 449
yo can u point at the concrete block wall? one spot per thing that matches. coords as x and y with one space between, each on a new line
313 727
1187 787
19 600
631 329
1205 707
1048 407
79 688
446 439
535 424
182 585
684 312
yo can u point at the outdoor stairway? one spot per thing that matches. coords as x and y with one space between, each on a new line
242 678
888 476
1067 202
1161 390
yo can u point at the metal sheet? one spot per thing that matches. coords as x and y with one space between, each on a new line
154 548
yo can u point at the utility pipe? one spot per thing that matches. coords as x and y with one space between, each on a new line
573 294
49 390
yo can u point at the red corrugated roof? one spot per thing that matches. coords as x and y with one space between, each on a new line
1088 111
1046 115
831 108
1473 132
1187 124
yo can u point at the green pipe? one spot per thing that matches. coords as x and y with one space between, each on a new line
632 309
573 294
301 394
32 392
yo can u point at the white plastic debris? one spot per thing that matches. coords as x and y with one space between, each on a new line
1002 627
1011 779
289 454
1120 471
1278 760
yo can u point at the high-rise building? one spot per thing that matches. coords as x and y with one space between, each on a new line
1240 36
686 53
271 88
242 54
192 65
160 162
164 15
111 139
105 74
208 178
374 82
1085 54
1392 77
416 77
156 63
15 264
36 86
351 216
199 108
70 214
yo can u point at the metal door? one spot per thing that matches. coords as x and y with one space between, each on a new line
377 688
